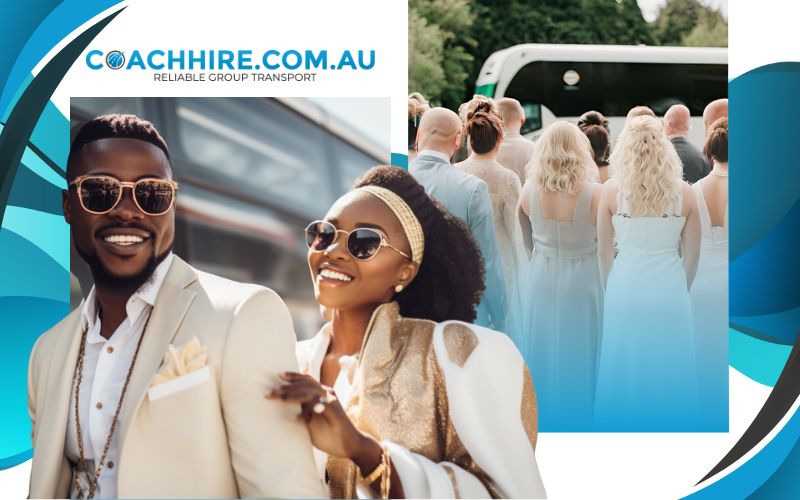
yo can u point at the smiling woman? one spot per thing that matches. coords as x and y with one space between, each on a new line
399 393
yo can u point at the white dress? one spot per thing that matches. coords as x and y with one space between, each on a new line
563 315
710 307
504 191
647 378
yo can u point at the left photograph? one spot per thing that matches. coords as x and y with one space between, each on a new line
262 307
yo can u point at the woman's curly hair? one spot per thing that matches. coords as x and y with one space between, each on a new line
449 283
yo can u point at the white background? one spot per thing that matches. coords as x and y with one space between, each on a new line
572 465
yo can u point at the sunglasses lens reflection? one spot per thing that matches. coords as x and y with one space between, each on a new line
154 196
363 243
320 235
99 194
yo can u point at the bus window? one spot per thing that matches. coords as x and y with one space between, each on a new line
568 89
257 148
352 163
533 117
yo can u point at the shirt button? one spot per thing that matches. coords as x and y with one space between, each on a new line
110 464
109 349
99 405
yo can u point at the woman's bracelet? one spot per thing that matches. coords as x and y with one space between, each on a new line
383 470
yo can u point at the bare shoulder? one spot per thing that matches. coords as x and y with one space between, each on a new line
689 203
608 194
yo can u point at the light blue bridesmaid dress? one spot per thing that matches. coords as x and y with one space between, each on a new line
709 296
647 375
563 315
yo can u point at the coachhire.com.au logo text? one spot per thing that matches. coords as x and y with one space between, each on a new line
270 65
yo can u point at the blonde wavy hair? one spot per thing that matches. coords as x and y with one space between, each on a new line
417 104
646 168
562 159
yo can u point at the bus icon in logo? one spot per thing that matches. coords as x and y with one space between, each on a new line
115 59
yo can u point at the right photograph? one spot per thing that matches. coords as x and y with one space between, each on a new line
585 146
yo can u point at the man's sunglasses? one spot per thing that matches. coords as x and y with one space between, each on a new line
99 194
362 243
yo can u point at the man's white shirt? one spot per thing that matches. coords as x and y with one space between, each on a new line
105 367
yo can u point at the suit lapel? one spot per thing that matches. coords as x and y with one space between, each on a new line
171 305
51 424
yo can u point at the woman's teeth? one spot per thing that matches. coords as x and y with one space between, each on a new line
333 275
123 239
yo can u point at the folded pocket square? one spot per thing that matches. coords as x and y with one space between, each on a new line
179 384
178 362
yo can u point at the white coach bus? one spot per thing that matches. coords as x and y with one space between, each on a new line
561 82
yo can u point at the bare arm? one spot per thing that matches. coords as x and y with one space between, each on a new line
523 212
691 235
605 229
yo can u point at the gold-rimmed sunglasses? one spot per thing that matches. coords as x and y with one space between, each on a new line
99 194
363 243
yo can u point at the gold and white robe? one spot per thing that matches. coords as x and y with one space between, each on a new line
453 402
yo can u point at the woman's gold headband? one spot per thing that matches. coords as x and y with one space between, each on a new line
410 223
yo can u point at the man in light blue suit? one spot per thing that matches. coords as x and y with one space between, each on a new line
466 197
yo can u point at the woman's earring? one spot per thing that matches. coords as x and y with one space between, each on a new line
398 288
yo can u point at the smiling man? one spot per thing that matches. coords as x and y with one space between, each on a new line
153 386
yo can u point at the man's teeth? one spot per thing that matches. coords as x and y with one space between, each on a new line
123 239
330 274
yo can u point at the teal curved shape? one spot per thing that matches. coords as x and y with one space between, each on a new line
48 232
49 136
34 291
759 360
32 191
36 165
25 268
63 18
777 327
21 315
751 475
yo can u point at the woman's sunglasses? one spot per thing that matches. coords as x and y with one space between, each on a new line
99 194
362 243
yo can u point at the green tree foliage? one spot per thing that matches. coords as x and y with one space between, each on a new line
711 30
449 40
503 23
439 37
688 23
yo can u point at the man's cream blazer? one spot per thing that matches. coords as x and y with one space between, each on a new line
220 438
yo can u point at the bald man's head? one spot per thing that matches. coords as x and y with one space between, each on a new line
512 113
676 121
714 111
440 130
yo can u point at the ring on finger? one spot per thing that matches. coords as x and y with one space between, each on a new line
322 402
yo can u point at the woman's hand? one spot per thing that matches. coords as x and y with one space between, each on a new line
330 428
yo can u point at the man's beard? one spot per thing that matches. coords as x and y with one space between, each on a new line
105 278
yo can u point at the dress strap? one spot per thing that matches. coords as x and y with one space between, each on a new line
535 208
677 208
705 217
583 205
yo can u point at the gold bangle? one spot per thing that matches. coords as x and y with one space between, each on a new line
375 473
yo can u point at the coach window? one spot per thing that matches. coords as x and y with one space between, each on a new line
255 147
352 163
